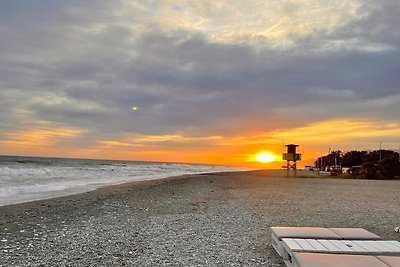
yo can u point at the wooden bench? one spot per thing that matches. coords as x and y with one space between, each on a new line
325 246
343 260
278 233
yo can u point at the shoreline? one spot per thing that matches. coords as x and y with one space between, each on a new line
267 172
122 184
191 220
279 173
14 199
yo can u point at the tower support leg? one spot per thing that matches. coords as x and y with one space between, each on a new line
295 169
287 169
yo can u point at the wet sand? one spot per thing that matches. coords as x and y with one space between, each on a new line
218 219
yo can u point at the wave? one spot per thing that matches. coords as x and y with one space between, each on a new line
46 178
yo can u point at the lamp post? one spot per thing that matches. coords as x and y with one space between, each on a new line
380 151
329 152
335 160
322 165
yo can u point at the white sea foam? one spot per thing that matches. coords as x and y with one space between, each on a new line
38 178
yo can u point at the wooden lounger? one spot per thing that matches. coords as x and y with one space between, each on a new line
340 260
278 233
390 261
293 246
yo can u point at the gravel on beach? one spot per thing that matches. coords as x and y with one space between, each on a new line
220 219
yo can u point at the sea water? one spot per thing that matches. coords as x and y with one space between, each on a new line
24 179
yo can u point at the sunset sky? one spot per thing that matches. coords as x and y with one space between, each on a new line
198 81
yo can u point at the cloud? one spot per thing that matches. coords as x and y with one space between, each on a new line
195 69
331 94
342 133
250 22
39 140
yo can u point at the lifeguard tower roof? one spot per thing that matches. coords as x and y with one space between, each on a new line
292 145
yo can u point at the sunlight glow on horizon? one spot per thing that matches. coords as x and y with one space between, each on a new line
265 157
341 134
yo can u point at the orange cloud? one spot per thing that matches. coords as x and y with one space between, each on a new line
39 141
147 140
339 130
314 140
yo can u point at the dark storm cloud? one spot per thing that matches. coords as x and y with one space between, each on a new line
77 65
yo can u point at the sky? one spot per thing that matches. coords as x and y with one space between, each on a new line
198 81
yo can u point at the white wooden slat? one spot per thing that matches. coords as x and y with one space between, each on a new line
342 246
331 247
304 245
387 246
292 245
360 247
356 248
317 245
339 246
395 243
325 244
394 247
368 247
377 246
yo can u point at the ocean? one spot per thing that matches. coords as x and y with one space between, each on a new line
24 179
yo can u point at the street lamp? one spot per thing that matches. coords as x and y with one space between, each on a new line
322 164
329 153
335 159
380 151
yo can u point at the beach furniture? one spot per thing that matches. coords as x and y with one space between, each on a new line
334 247
340 260
297 246
278 233
391 261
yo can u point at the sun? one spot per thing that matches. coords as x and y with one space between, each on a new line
265 157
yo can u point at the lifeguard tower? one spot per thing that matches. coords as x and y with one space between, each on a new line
291 157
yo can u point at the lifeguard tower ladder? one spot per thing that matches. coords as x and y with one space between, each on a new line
291 157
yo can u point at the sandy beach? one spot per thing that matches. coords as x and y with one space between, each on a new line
220 219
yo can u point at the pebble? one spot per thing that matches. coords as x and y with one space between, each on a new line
231 229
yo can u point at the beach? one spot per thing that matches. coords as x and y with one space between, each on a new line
218 219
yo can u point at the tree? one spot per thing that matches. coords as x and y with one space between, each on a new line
373 156
370 170
329 160
354 158
365 164
390 167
